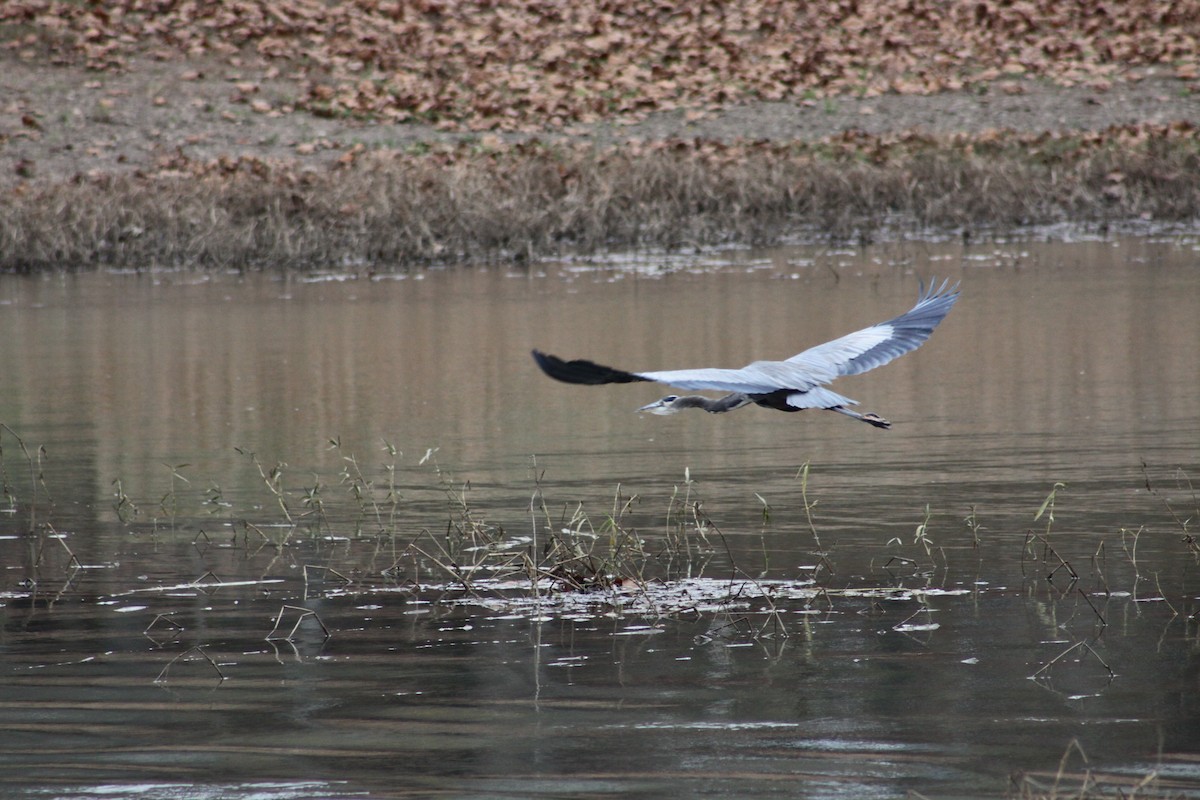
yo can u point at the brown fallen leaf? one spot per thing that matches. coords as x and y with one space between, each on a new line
486 65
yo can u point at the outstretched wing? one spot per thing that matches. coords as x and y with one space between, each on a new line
854 353
760 377
877 345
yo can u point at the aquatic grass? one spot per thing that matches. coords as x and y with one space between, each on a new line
314 502
272 479
1053 563
585 556
614 539
168 503
927 567
569 556
470 546
609 560
39 491
1044 670
208 583
196 653
1129 544
163 629
1085 783
1072 587
682 519
41 560
600 560
302 615
921 535
802 476
624 557
1099 562
126 509
1048 554
772 614
974 526
214 498
364 490
1046 509
908 627
249 527
728 624
1184 523
317 575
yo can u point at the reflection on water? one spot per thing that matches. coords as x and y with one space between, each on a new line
884 659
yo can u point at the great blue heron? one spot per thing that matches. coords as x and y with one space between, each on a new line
791 385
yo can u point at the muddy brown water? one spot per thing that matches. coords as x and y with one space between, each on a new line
750 659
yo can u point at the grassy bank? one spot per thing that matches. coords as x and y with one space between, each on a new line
466 202
201 134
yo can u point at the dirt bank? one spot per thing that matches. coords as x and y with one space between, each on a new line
64 121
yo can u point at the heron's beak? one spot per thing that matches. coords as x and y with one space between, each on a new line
657 407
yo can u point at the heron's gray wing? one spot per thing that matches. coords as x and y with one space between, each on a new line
877 345
760 377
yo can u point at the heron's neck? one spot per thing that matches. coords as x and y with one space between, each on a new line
727 403
690 401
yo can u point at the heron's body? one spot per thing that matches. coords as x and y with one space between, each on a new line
795 384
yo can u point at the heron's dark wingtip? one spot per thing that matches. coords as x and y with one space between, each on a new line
580 371
551 365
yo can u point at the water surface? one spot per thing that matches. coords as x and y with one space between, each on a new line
879 662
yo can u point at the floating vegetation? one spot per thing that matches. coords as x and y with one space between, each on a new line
356 534
686 597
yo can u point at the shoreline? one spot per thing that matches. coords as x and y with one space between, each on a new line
465 203
201 163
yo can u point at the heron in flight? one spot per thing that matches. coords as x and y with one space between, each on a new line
791 385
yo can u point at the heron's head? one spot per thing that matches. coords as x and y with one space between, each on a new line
667 405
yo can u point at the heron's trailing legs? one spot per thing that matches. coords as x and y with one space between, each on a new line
869 418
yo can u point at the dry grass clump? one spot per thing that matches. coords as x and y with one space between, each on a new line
463 202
